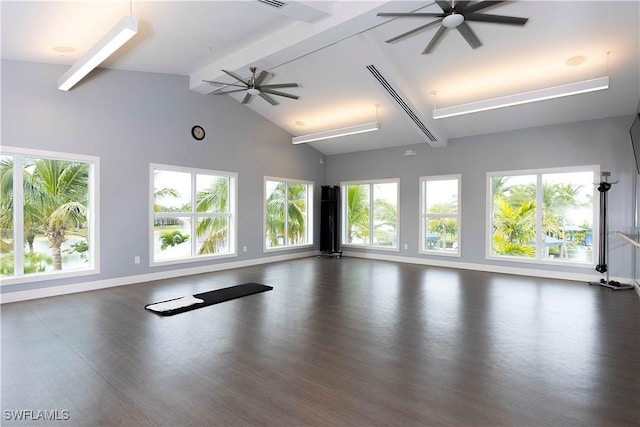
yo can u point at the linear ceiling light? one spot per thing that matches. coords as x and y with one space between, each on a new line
112 41
524 98
336 133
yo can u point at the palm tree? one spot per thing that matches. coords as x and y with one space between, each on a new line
503 247
215 199
444 226
172 238
385 217
275 212
215 229
513 226
516 195
557 198
6 196
357 212
6 216
499 186
159 193
55 192
295 211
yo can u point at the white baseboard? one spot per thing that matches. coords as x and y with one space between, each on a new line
531 272
120 281
129 280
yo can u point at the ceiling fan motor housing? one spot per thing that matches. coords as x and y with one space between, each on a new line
453 20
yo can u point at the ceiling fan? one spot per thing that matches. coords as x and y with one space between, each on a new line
456 15
253 86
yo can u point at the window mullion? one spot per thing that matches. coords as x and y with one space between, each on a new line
540 240
286 214
371 209
193 216
18 216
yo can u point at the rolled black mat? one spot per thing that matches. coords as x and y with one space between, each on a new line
192 302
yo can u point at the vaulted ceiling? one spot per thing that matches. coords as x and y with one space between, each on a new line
328 48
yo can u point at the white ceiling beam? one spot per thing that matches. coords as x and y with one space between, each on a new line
293 41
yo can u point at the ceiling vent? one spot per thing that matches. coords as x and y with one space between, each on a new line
311 12
273 3
422 128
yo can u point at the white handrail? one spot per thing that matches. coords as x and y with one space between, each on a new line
628 239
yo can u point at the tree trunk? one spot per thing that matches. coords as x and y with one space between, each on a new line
30 237
56 237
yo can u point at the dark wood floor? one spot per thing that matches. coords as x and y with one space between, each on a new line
337 342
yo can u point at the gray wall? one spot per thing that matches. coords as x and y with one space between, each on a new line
603 142
132 119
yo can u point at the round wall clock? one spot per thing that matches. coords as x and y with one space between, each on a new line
197 132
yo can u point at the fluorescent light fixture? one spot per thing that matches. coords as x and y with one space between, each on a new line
336 133
524 98
112 41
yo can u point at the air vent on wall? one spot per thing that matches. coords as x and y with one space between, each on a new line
403 104
273 3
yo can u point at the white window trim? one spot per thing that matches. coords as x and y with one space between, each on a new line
343 213
93 217
539 172
232 215
423 215
309 227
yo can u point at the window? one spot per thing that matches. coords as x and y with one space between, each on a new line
370 214
440 210
193 214
543 216
48 203
288 219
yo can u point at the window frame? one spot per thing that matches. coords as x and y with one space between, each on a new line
193 215
309 224
424 215
343 213
93 215
540 259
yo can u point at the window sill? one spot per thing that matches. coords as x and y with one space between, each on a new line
371 248
441 253
286 248
555 262
192 260
33 278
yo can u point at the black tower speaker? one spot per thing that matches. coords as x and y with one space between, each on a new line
330 220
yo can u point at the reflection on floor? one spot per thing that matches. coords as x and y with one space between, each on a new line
337 342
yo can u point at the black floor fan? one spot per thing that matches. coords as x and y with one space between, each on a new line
602 268
330 221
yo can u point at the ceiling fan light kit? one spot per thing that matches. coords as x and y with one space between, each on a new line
585 86
453 20
105 47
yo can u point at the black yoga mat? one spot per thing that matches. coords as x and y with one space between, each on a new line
192 302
